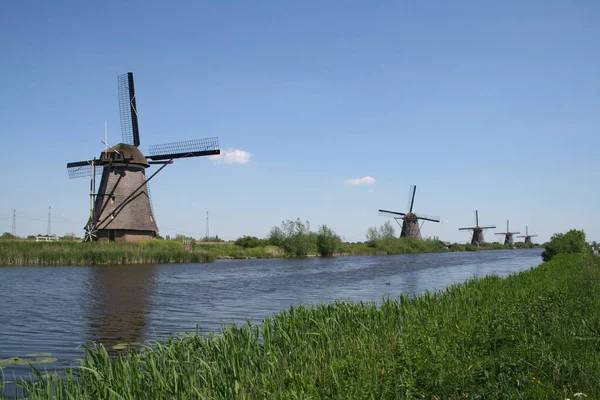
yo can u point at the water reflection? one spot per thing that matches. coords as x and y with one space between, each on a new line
119 304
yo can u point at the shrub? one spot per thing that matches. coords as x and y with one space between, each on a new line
294 237
562 243
327 241
250 241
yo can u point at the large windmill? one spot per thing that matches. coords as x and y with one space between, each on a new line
121 209
410 220
527 236
508 235
477 238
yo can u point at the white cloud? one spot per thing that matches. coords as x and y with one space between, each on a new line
233 156
365 180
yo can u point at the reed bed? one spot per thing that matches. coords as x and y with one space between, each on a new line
533 335
22 253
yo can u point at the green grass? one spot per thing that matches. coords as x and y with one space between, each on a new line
533 335
72 253
230 250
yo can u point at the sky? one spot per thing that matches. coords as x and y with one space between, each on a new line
325 111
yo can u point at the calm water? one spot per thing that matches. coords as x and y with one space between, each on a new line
56 309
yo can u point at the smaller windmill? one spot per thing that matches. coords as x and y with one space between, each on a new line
477 238
508 235
527 236
410 220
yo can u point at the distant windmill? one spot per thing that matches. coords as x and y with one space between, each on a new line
477 238
121 210
410 220
508 235
527 236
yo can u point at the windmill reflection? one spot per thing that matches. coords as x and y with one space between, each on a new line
120 304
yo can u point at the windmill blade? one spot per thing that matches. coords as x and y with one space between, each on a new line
81 169
190 148
411 197
499 233
476 218
466 229
128 110
532 235
428 217
514 233
488 227
391 212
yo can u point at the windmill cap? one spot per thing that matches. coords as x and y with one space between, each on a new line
123 151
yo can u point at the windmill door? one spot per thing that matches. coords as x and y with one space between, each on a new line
111 235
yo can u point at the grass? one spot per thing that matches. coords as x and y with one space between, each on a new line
532 335
230 250
22 253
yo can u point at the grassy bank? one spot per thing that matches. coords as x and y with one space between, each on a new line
389 246
230 250
533 335
73 253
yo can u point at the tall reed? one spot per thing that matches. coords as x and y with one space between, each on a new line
72 253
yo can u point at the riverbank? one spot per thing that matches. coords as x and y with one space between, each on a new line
532 335
20 253
28 253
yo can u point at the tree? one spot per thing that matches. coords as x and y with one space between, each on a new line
249 242
7 236
565 243
327 241
386 231
294 237
372 236
276 236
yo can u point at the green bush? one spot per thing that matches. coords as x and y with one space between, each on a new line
564 243
250 241
327 241
294 237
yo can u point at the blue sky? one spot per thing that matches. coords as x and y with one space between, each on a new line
489 105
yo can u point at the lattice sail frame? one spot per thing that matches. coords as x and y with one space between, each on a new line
128 109
83 171
189 148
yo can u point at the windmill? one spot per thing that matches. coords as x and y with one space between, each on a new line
477 238
527 236
121 209
410 220
508 235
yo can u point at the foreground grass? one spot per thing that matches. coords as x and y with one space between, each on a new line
533 335
73 253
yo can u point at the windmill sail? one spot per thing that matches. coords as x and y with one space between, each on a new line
128 110
190 148
80 169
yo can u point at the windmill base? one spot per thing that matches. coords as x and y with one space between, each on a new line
123 235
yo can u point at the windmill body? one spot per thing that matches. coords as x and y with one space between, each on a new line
410 220
477 237
121 209
508 235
